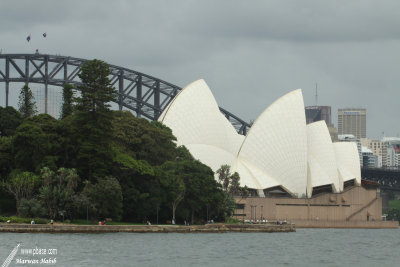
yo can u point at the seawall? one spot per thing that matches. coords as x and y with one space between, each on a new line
208 228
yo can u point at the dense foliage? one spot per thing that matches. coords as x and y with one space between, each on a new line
102 164
26 102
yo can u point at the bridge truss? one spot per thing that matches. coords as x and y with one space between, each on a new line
143 94
388 178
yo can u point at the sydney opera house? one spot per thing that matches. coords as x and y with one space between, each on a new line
293 170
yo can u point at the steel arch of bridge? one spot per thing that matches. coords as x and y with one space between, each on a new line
147 96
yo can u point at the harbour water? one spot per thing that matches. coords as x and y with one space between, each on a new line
306 247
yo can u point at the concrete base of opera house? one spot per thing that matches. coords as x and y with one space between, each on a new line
347 224
355 207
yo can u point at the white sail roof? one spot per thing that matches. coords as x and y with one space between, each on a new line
277 144
321 156
196 121
348 161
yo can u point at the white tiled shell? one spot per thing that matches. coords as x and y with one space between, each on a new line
348 161
321 156
317 175
277 144
196 121
247 177
213 156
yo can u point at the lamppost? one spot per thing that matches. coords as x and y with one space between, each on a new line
207 212
61 212
157 212
262 218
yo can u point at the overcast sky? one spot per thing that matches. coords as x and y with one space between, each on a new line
249 52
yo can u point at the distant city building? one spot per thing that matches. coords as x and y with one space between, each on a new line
318 113
352 138
378 147
369 159
393 151
352 121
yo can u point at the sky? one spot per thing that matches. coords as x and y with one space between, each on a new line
250 53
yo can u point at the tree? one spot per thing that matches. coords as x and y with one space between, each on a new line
93 120
53 145
21 185
10 119
201 189
106 197
224 175
68 142
58 189
230 182
6 156
140 188
234 187
67 107
31 208
170 175
183 154
26 102
30 145
142 140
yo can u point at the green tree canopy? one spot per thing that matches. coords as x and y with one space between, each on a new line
26 102
230 182
68 99
58 189
30 145
51 129
93 120
143 140
140 188
6 156
106 197
171 179
10 119
22 185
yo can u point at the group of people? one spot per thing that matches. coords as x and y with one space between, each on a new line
33 221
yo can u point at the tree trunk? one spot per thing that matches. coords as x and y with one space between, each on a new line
173 213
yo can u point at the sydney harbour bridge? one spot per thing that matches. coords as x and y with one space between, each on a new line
143 94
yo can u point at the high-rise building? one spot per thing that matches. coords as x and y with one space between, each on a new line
378 147
393 151
318 113
352 121
370 159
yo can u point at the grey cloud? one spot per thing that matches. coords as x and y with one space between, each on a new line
249 52
299 21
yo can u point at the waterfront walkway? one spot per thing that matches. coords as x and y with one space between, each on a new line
208 228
